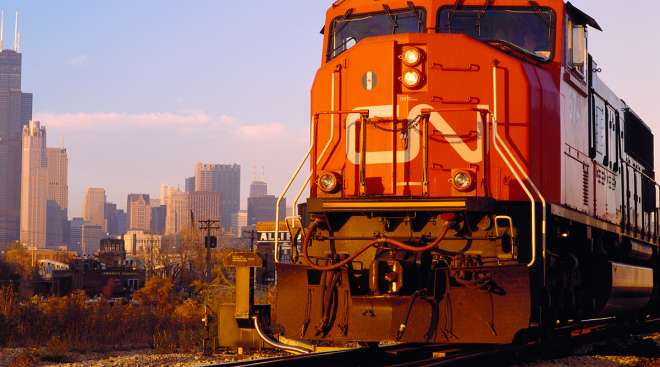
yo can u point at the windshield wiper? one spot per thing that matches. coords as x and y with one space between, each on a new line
392 17
420 19
509 47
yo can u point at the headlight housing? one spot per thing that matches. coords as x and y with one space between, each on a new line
412 57
329 182
412 78
463 180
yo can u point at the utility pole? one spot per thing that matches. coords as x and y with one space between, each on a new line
209 242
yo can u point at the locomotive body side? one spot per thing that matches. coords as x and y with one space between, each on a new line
466 187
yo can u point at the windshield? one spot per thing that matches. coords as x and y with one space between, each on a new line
347 31
527 30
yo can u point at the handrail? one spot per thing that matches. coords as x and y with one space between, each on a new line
496 140
273 343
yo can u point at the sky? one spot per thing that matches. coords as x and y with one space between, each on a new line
138 91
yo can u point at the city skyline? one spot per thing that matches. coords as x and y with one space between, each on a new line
79 95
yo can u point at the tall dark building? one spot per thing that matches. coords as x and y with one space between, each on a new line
190 184
262 209
116 220
158 215
258 189
15 112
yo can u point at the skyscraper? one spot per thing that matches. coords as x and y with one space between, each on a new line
178 212
158 217
205 205
34 186
262 209
190 184
94 207
139 212
238 223
224 179
75 236
258 189
58 197
90 238
15 112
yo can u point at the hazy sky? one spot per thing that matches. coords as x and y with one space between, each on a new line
138 91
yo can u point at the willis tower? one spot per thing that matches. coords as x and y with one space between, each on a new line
15 112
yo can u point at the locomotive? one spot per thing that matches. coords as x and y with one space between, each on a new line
472 180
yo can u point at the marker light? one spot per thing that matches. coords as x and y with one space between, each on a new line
328 182
412 57
412 79
463 181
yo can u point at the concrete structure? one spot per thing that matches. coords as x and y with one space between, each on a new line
238 223
94 207
15 112
139 212
190 184
91 235
224 179
165 192
178 212
116 220
58 197
205 205
34 186
258 189
262 209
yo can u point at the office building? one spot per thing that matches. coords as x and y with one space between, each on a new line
34 186
204 205
262 209
139 212
178 212
238 223
94 207
75 235
190 184
15 112
91 235
158 217
58 197
258 189
224 179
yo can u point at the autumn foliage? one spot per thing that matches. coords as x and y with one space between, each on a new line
156 317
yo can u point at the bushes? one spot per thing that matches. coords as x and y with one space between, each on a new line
156 317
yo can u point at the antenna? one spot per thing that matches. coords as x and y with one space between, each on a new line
2 30
17 36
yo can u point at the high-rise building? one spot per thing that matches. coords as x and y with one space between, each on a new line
262 209
139 212
58 197
204 205
224 179
190 184
115 219
90 238
178 212
75 236
165 192
258 189
158 217
34 186
15 112
94 207
238 223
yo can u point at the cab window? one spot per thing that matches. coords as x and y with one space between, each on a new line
524 30
348 30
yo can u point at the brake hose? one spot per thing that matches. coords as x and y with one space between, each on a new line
395 243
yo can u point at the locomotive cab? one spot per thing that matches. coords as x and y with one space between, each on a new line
448 139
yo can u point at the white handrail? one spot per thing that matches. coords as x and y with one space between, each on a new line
496 140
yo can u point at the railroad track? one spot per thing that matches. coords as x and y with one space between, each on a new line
445 355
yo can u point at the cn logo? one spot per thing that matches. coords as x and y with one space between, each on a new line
414 136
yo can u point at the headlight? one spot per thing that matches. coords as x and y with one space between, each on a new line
463 181
412 57
412 79
328 182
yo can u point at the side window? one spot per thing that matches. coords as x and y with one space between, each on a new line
600 131
576 39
